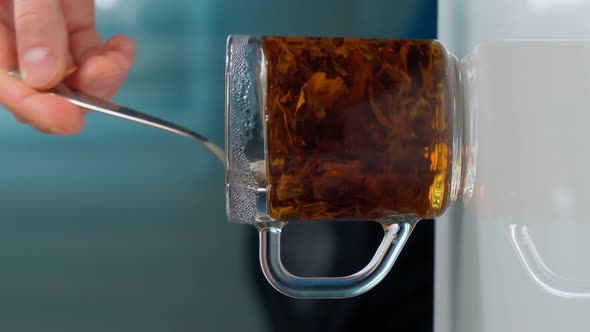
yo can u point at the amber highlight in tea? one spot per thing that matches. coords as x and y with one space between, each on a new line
357 129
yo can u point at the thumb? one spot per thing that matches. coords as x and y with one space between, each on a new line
42 41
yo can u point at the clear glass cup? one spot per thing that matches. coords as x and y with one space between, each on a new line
329 129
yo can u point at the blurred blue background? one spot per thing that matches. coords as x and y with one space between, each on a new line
123 227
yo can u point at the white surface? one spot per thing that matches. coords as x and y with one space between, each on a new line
480 284
462 24
531 101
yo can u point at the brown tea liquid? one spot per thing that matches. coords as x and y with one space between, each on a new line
357 129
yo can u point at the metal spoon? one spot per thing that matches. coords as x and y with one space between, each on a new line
103 106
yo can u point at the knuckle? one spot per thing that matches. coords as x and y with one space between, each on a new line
28 20
20 119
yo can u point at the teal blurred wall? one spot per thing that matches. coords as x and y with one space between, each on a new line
122 228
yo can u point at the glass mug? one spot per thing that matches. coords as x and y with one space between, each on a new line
343 129
330 129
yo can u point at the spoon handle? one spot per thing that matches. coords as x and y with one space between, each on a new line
107 107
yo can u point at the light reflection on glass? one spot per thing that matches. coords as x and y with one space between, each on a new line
537 269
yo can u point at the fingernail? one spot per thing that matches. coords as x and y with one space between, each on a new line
39 66
107 83
70 71
57 131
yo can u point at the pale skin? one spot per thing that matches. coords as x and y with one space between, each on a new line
52 41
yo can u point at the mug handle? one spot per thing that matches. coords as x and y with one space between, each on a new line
536 268
395 236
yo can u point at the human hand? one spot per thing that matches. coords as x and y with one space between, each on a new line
52 41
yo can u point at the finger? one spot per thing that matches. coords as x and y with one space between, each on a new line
80 21
45 112
7 13
122 44
7 49
102 75
42 41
